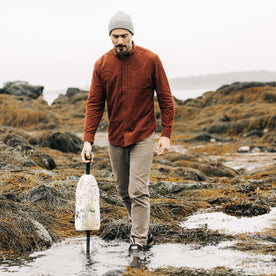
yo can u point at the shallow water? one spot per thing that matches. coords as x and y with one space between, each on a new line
250 161
231 224
68 258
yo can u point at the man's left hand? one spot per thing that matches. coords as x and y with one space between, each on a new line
163 146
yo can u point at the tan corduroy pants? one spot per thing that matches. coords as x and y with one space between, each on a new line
131 166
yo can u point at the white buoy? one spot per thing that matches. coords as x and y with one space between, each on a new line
87 216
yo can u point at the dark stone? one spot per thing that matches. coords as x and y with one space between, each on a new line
245 209
189 174
65 142
256 133
45 196
14 140
23 148
43 160
71 91
204 137
22 88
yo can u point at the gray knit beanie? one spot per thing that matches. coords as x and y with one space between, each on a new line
120 20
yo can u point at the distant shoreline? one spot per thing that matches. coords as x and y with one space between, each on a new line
181 94
194 86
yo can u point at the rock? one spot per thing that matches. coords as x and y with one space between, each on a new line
65 142
42 233
43 160
256 133
44 196
18 151
173 156
119 229
14 140
22 88
254 149
72 91
189 174
245 209
166 189
196 167
23 227
244 149
204 137
216 170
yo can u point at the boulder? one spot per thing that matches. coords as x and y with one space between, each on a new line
22 88
189 174
45 197
17 151
71 91
26 228
14 140
254 132
204 137
65 142
245 209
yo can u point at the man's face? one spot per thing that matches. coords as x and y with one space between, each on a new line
122 40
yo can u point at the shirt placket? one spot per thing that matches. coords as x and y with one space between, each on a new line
124 92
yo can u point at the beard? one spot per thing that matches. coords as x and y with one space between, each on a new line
122 49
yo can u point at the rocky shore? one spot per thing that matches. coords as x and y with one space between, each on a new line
40 167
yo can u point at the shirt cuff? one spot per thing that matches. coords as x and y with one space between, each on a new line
89 138
167 132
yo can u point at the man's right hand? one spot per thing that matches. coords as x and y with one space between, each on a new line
87 152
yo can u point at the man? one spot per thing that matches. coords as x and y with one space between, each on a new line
126 78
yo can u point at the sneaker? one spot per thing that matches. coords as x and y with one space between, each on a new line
135 250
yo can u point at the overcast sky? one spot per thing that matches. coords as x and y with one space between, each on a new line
55 43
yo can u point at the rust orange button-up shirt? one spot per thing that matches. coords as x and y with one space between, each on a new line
127 83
